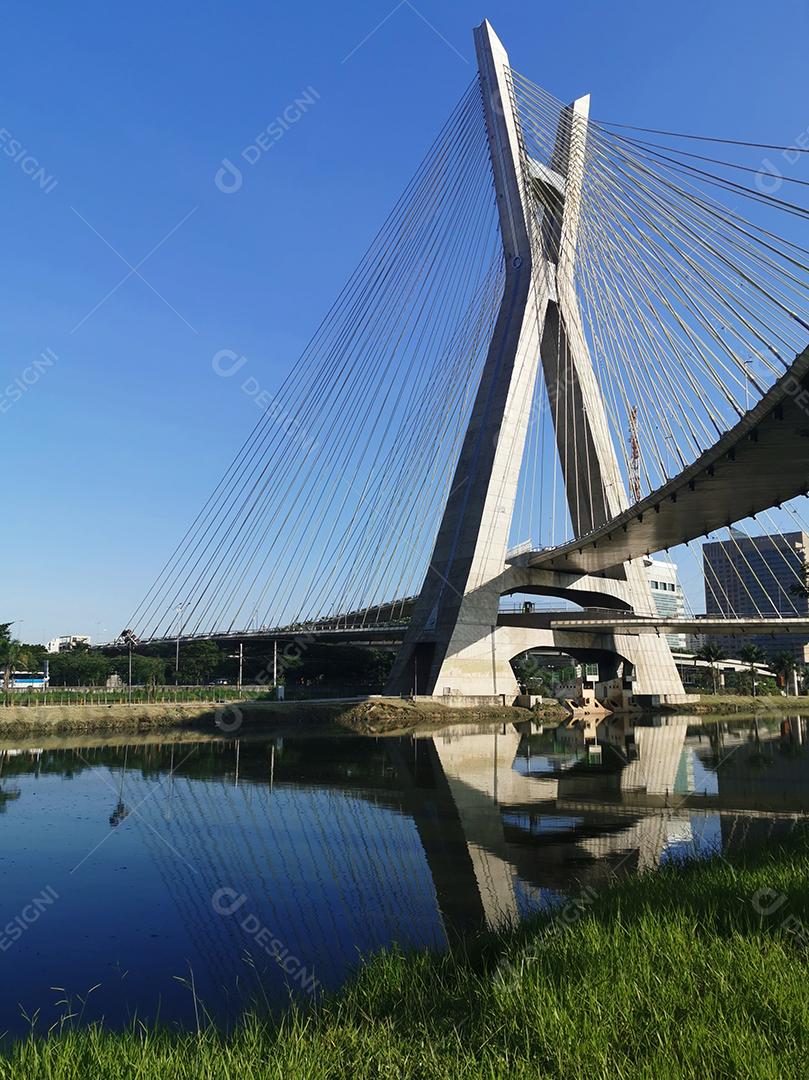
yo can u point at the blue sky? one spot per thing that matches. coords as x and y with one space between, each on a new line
123 426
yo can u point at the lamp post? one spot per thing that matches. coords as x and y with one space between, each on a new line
747 380
127 637
179 609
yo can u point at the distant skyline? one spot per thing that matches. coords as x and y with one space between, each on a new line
195 182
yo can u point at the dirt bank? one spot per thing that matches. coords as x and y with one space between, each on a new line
372 717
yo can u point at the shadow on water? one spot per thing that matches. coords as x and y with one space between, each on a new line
214 873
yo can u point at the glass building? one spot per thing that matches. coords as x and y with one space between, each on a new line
759 576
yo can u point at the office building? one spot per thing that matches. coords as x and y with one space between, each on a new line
667 594
758 576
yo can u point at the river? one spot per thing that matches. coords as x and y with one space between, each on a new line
185 880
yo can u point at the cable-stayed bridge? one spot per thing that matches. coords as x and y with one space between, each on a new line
566 331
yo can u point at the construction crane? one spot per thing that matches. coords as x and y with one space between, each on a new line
634 455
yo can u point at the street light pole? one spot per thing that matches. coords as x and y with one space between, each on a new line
179 610
241 662
747 364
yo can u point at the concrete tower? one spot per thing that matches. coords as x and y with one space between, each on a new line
453 642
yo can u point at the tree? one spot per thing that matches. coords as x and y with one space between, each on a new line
530 674
783 664
199 662
32 657
712 653
752 654
79 667
10 650
146 670
317 663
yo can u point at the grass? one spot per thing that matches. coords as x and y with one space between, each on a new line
678 973
141 695
726 703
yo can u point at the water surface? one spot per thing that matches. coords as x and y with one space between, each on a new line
158 879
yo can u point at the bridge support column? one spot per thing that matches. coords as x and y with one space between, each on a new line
451 642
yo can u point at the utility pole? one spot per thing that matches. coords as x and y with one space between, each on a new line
129 694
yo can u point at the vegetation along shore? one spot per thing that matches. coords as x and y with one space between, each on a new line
691 970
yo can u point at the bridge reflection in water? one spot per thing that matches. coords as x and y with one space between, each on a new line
266 866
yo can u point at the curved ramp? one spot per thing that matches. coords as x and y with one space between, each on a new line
760 462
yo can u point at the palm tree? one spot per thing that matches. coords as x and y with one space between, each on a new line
712 653
784 664
10 650
752 654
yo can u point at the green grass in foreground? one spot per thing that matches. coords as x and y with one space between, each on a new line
674 974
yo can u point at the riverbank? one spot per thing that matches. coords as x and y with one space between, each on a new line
721 704
374 716
687 971
371 716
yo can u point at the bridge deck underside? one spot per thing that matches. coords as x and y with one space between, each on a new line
759 463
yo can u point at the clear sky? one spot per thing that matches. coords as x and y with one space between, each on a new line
123 427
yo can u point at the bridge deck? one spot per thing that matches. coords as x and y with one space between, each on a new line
760 462
595 620
730 627
604 621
